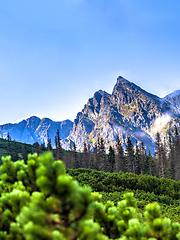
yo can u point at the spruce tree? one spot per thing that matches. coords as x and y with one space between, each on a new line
70 145
129 153
144 164
111 158
15 156
43 147
37 148
120 164
69 158
49 145
24 153
103 164
59 150
171 156
160 156
75 157
137 161
177 154
94 158
9 147
97 155
150 164
85 156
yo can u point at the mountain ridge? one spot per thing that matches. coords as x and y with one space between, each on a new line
128 110
34 129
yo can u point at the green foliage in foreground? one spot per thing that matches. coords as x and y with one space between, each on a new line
41 201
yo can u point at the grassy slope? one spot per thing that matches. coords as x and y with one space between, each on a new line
19 146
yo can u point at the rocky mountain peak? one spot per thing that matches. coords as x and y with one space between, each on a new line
129 110
128 91
94 104
33 122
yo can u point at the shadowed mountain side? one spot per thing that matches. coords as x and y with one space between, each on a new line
35 129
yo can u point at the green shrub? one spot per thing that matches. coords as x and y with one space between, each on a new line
41 201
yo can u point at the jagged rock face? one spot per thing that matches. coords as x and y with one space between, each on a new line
174 99
35 129
129 110
90 117
137 106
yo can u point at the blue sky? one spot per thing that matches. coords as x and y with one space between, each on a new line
55 54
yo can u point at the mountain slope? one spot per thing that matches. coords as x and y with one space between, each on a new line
174 99
35 129
129 110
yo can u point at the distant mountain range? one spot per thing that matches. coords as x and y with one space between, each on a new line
35 129
129 110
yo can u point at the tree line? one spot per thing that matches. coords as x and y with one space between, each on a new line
133 159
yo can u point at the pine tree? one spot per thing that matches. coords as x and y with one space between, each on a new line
24 153
137 161
119 157
111 158
150 164
43 147
49 145
75 157
144 164
59 150
70 145
89 153
85 156
15 156
37 148
102 162
165 159
160 156
93 158
97 155
177 154
171 156
9 148
69 159
129 153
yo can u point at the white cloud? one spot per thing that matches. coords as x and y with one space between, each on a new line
160 123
